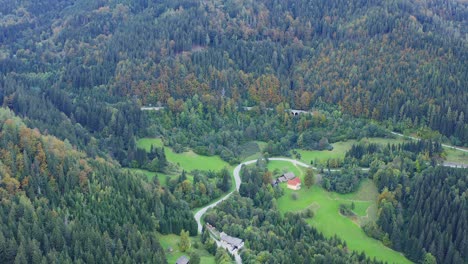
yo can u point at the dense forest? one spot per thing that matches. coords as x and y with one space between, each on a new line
74 75
422 207
225 130
355 54
416 219
58 205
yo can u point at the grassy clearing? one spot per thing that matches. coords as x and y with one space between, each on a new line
340 148
145 143
188 160
456 156
329 221
172 240
283 167
150 175
251 156
367 191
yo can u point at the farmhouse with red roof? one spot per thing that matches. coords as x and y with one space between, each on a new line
294 184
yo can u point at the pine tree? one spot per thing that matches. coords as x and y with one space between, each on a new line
194 258
21 257
3 247
35 251
309 178
184 243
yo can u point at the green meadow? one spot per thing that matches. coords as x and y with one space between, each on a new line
456 156
328 220
189 160
171 241
283 166
150 175
340 148
325 205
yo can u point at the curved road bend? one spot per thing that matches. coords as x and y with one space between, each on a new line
202 211
237 179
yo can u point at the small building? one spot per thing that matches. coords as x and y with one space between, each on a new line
286 177
289 176
274 182
232 243
294 184
183 260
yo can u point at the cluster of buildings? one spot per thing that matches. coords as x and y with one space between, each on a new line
293 182
228 242
233 244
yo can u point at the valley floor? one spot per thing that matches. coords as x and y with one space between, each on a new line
325 205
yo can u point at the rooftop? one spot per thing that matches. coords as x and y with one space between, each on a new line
182 260
289 175
231 240
294 181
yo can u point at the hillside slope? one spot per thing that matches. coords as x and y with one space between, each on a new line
57 205
400 60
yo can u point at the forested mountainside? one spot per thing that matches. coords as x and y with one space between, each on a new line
421 218
59 206
74 75
400 60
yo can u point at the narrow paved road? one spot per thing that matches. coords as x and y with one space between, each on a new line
238 181
202 211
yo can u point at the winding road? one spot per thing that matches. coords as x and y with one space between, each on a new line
238 181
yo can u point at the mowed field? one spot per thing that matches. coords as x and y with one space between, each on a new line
280 167
340 148
187 160
456 156
171 241
330 222
150 175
